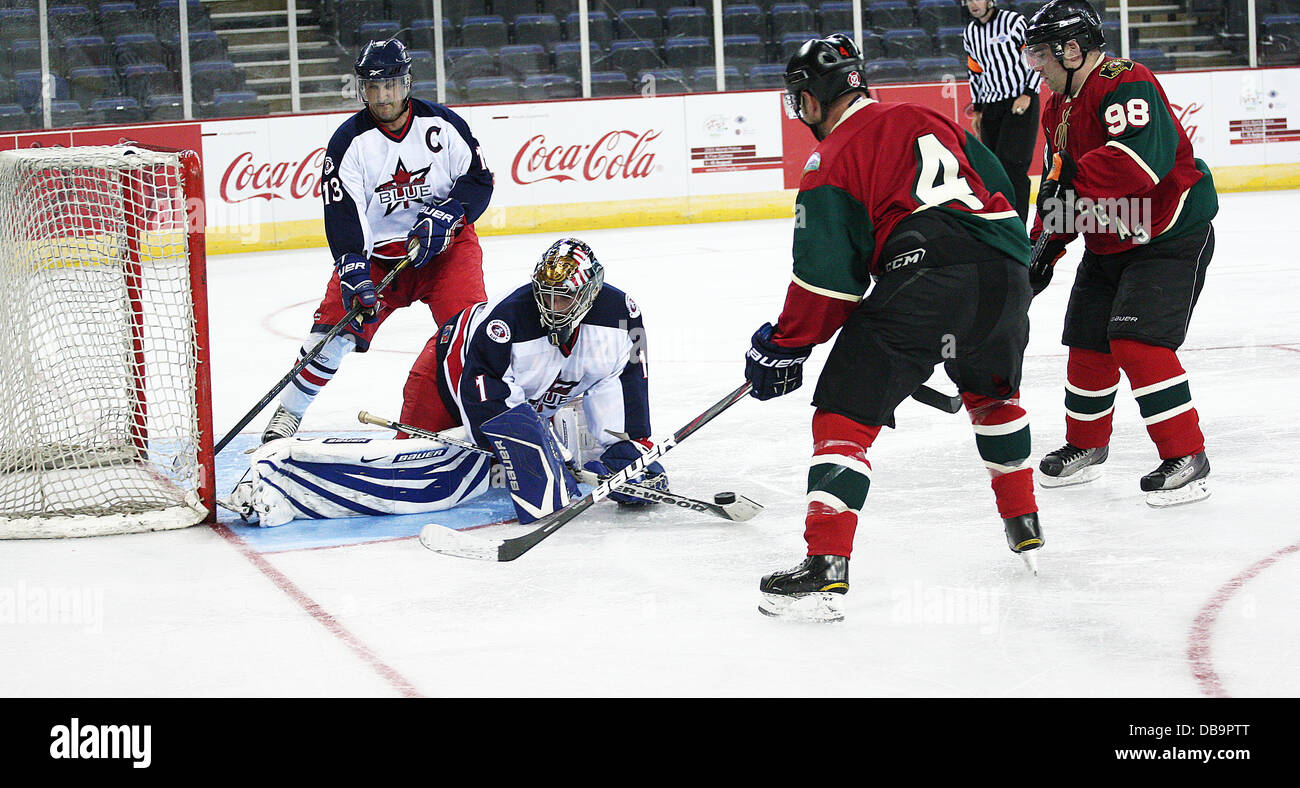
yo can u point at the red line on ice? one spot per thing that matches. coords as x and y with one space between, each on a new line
1198 641
313 608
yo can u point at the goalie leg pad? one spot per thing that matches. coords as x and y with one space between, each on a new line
324 478
536 476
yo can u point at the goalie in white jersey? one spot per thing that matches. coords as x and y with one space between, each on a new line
500 369
402 176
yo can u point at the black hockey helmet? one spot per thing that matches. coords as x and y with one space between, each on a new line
1061 21
825 67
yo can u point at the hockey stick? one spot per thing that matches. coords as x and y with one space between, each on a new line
462 545
738 510
307 359
937 399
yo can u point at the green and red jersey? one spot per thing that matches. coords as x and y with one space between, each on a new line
880 164
1136 172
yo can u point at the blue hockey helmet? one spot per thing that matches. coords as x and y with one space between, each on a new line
384 64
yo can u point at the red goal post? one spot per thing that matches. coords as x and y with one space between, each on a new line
104 377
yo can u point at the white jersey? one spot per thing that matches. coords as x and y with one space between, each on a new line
496 355
374 181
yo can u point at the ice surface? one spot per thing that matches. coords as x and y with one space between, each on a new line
1131 601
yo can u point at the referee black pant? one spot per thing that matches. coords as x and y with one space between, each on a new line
1011 137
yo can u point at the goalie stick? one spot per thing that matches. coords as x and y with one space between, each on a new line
462 545
739 510
307 359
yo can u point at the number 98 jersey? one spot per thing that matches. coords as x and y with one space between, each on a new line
1137 180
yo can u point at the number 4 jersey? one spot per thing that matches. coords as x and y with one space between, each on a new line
1137 180
882 163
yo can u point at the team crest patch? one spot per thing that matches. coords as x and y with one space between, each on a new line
855 80
632 309
1113 68
499 331
814 161
445 336
329 165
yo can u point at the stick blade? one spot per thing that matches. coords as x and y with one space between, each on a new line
447 541
743 509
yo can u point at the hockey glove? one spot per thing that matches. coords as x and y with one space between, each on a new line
435 228
1054 189
773 370
357 289
621 455
1043 264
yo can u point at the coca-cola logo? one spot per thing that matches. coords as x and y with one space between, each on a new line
615 155
247 179
1185 114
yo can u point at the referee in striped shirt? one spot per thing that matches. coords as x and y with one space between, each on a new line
1004 91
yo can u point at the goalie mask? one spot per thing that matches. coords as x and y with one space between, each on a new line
383 72
566 281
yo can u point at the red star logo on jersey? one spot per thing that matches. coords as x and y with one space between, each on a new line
404 188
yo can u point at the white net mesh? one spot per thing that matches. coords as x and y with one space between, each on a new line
98 416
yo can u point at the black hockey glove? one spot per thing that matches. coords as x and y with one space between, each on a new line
435 228
356 287
1043 263
1056 182
773 370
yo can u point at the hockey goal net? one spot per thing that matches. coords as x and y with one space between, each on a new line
105 407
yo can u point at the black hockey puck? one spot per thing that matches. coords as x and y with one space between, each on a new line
724 498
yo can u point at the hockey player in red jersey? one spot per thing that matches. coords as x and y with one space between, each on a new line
898 194
1121 173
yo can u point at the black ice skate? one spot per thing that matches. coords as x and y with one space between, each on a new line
1025 538
1071 465
283 424
1178 480
809 591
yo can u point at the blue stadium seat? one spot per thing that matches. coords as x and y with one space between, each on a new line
70 21
744 50
116 110
688 22
599 27
543 87
20 23
705 79
537 29
420 35
492 90
14 118
25 55
28 88
236 104
519 61
892 15
889 71
940 69
662 82
934 14
949 41
65 113
640 24
611 83
141 48
85 85
207 77
568 57
837 16
688 54
510 10
744 20
633 57
489 32
464 63
144 80
908 44
791 18
765 76
168 107
82 51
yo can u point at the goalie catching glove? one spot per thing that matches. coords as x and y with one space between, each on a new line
357 289
435 227
619 456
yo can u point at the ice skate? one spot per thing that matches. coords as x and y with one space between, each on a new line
810 591
1025 538
283 424
1177 481
1071 465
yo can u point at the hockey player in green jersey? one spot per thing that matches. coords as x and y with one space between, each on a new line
898 194
1120 173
